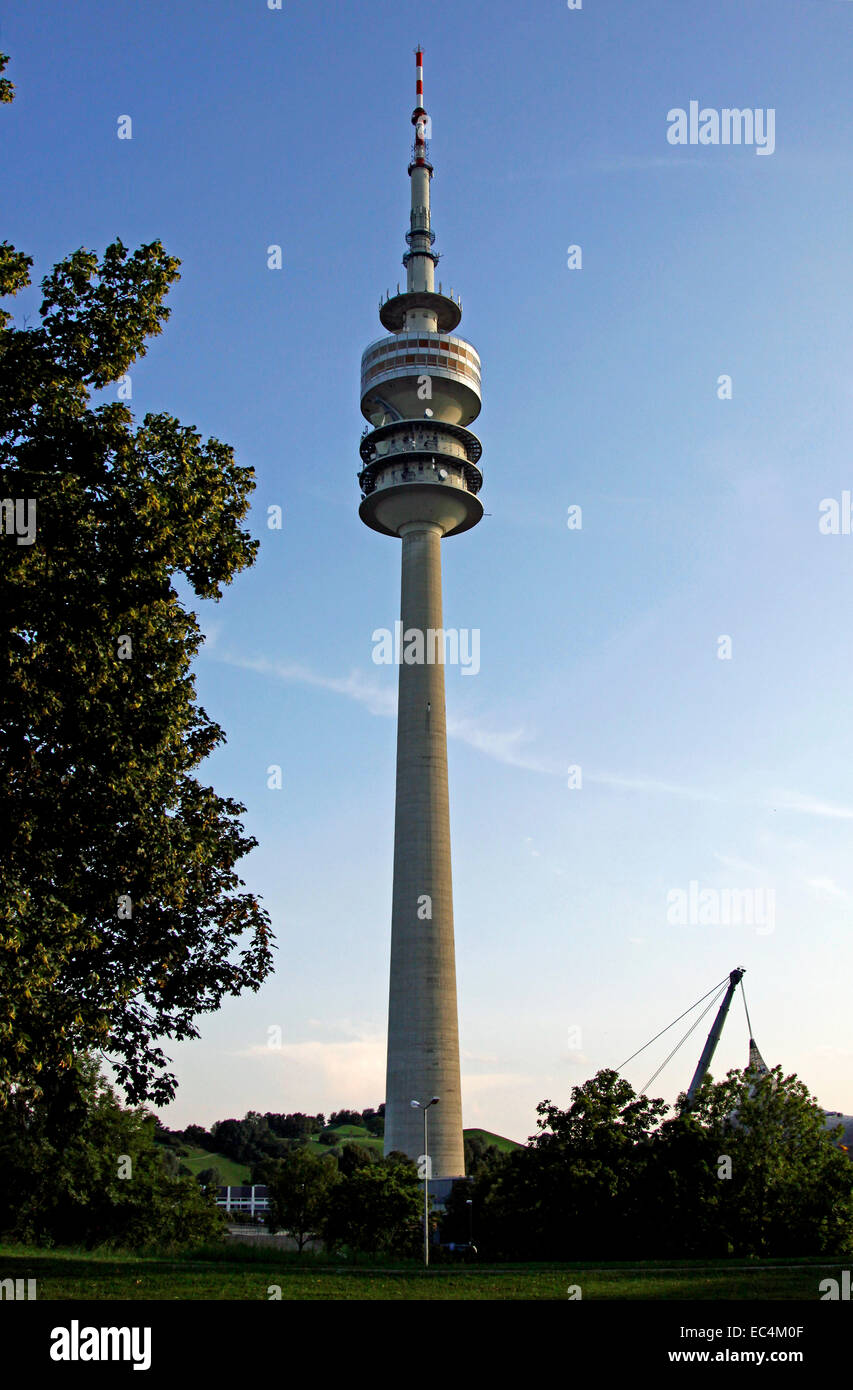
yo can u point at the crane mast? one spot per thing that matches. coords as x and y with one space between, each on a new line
714 1036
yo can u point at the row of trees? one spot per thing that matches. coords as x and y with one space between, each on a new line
359 1201
260 1140
749 1170
100 1175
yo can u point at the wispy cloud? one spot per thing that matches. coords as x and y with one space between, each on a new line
376 699
741 866
809 806
512 746
652 784
504 746
828 889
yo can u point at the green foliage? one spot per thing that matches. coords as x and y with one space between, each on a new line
14 274
232 1174
210 1180
480 1154
791 1189
346 1117
609 1178
377 1207
258 1138
294 1126
584 1175
102 734
490 1140
369 1121
258 1141
78 1169
354 1156
7 88
299 1194
198 1137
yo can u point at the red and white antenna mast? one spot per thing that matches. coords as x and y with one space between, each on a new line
420 119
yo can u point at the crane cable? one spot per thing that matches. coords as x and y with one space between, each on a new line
746 1010
684 1039
672 1025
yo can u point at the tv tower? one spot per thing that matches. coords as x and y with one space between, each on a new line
420 476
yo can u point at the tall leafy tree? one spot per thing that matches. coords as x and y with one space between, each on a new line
585 1172
122 916
787 1188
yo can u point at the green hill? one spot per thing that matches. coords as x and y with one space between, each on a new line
232 1174
355 1134
349 1131
347 1134
499 1142
239 1174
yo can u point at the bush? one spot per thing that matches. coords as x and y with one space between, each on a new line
78 1169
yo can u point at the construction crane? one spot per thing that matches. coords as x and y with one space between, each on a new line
756 1067
756 1061
714 1037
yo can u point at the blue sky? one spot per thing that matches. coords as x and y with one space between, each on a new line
254 127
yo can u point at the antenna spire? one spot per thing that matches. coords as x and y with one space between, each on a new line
420 119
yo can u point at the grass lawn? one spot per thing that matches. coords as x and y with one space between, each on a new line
247 1274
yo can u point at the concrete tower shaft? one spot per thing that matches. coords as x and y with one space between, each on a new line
423 1040
420 476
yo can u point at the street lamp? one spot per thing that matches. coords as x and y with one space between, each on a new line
418 1105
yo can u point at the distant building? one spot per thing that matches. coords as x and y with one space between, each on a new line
254 1201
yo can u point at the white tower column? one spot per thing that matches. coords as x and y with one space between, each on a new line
423 1039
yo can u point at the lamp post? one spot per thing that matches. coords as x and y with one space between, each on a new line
418 1105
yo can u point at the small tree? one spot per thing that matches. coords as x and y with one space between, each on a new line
377 1208
299 1194
210 1180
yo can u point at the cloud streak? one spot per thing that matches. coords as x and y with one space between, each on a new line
511 746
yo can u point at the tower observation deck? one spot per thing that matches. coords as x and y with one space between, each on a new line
420 479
